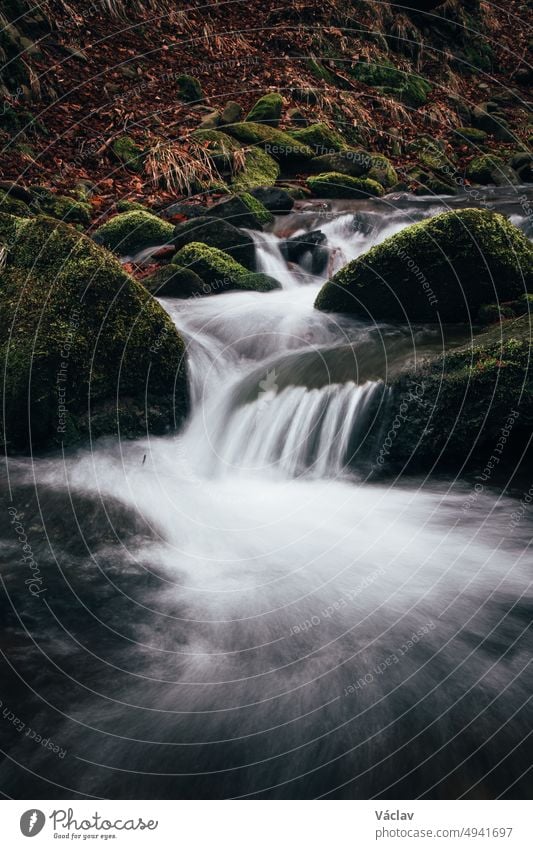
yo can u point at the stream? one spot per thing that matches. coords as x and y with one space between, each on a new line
240 610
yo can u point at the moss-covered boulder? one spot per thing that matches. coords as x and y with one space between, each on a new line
61 207
84 347
189 89
441 269
130 232
320 138
220 146
382 171
352 162
471 136
128 153
260 169
220 271
217 233
471 408
173 281
242 210
341 186
267 110
433 157
281 146
489 169
409 88
232 112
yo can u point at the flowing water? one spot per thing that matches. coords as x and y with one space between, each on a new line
238 611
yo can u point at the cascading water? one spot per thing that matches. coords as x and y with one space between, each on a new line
234 612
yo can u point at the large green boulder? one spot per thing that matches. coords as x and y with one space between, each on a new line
267 110
341 186
220 271
84 348
217 233
61 207
441 269
281 146
320 138
130 232
260 169
471 407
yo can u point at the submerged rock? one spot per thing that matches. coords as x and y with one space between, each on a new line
217 233
85 348
444 268
130 232
220 272
312 245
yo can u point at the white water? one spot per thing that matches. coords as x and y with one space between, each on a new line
274 579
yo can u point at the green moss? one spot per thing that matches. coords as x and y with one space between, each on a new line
281 146
432 155
482 169
319 71
64 208
129 232
83 344
341 186
189 89
443 268
354 162
261 213
465 409
471 136
260 170
219 271
408 88
173 281
382 171
126 151
320 138
267 110
130 206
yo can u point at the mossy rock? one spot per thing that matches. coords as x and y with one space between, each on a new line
63 208
242 210
127 152
85 348
353 162
320 138
281 146
189 89
13 205
131 206
173 281
489 169
130 232
471 136
441 269
341 186
260 170
217 233
431 154
211 121
466 409
220 271
410 89
267 110
382 171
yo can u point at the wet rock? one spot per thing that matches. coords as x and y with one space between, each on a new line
217 233
277 201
